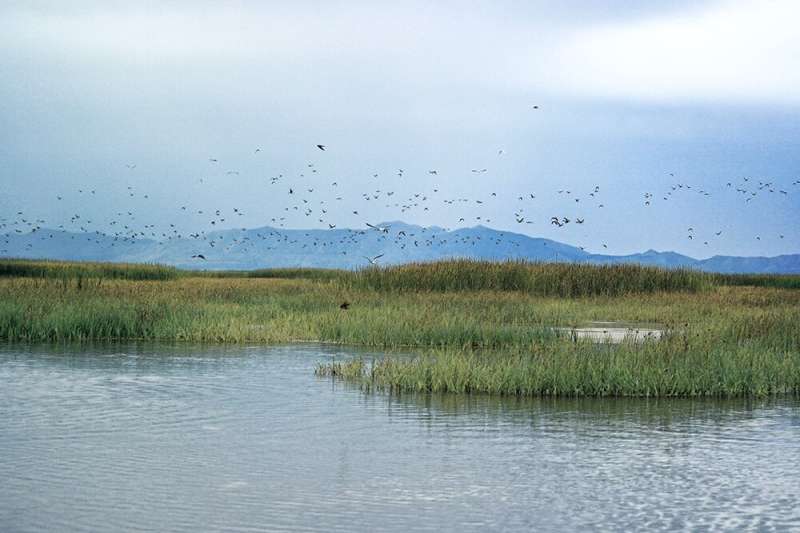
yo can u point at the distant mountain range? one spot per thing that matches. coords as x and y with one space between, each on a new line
397 242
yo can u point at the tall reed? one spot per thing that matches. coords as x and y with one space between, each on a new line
72 269
543 279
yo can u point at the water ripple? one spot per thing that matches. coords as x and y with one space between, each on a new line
182 438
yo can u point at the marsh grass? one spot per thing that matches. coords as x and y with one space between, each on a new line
318 274
487 331
543 279
780 281
569 369
85 270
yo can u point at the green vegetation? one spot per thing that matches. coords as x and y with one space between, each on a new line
543 279
289 273
476 327
781 281
84 270
674 368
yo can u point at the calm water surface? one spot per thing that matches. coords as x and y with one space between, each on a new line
164 438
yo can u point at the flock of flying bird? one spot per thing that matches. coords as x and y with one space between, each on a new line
125 228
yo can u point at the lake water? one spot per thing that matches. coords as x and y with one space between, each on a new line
164 438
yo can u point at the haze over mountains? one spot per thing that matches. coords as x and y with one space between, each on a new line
349 248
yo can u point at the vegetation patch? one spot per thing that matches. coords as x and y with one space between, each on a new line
477 327
85 270
543 279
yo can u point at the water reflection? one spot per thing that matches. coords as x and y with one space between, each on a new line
180 437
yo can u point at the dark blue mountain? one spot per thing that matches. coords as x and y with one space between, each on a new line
347 248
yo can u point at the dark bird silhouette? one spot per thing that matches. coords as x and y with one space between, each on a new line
321 147
344 305
199 256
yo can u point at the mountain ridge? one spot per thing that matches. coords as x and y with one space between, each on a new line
267 246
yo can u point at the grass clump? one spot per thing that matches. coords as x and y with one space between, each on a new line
85 270
544 279
561 369
780 281
320 274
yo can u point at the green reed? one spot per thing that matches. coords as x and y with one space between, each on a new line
75 270
562 368
493 334
544 279
781 281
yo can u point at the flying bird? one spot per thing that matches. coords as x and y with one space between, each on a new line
373 260
321 147
383 229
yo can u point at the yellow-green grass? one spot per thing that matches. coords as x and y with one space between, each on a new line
722 340
561 279
670 368
84 270
784 281
544 279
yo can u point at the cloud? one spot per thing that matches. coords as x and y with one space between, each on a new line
733 52
744 51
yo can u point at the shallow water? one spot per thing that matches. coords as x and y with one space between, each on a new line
157 437
614 332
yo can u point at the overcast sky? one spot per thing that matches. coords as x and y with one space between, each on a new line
628 94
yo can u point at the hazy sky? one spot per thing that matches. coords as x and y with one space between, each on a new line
628 93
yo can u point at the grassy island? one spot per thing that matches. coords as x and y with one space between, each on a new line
476 327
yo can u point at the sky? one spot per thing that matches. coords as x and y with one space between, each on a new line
649 109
